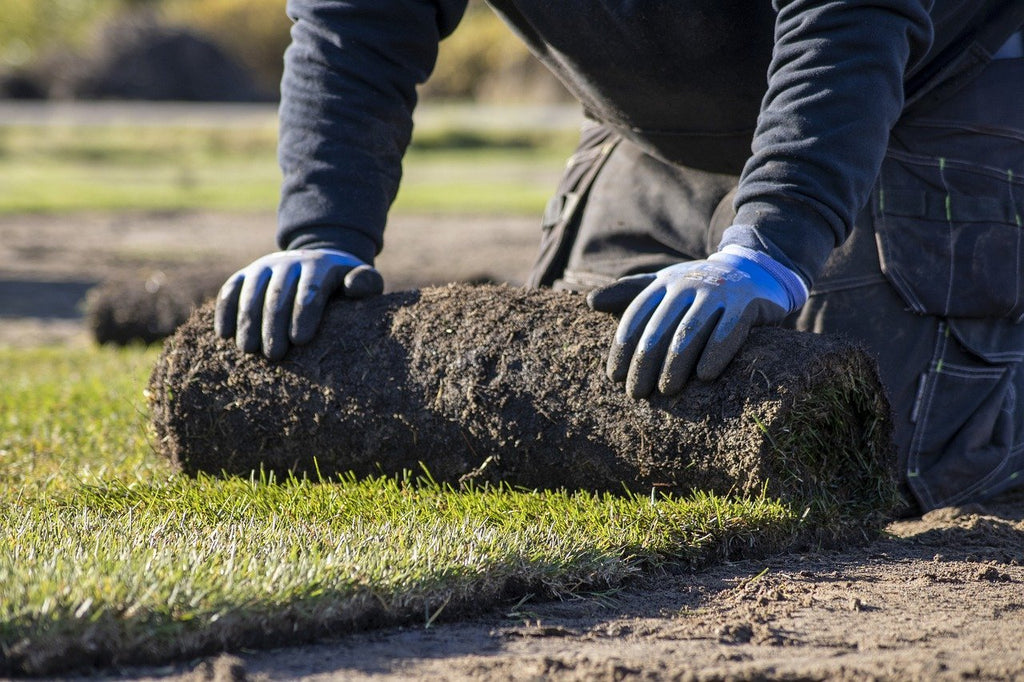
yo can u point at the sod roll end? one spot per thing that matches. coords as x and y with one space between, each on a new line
147 306
490 384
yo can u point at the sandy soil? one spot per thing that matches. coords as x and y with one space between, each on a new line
940 597
48 264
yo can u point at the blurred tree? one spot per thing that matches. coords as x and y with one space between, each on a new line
254 31
30 27
481 60
484 60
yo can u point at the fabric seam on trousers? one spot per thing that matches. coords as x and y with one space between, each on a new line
914 456
846 283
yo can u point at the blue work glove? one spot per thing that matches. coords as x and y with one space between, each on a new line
693 316
278 299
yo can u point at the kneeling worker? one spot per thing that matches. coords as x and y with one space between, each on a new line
875 188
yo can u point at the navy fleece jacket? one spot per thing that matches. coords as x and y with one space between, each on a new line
685 79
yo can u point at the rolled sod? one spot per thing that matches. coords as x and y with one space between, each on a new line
489 384
147 306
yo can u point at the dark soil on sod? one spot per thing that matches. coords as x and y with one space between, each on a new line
490 384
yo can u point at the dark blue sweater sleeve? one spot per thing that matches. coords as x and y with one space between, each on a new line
347 96
835 90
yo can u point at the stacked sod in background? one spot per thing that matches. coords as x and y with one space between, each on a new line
147 306
493 383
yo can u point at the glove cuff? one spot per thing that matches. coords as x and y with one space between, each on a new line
336 238
792 283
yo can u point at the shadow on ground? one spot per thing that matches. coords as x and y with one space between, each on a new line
43 299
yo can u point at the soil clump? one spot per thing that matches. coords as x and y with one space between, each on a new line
139 57
148 306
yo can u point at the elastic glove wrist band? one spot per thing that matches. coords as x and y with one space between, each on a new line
792 283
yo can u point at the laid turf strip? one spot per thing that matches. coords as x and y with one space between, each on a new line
145 573
500 384
147 306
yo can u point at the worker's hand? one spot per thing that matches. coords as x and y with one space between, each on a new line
279 299
692 316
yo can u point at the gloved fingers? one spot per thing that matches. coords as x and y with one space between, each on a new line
616 297
652 348
226 313
726 340
627 335
316 284
688 343
363 281
277 309
249 321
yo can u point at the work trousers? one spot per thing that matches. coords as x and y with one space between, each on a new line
931 279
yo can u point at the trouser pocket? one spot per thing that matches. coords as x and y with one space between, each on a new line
967 432
955 261
947 215
950 200
628 212
561 215
950 235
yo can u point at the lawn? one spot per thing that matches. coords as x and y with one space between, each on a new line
109 557
121 165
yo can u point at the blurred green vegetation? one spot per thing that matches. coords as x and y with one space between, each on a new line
483 59
59 168
254 31
29 27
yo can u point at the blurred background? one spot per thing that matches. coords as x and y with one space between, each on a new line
138 160
219 50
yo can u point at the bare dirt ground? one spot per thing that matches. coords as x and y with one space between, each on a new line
941 597
47 264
